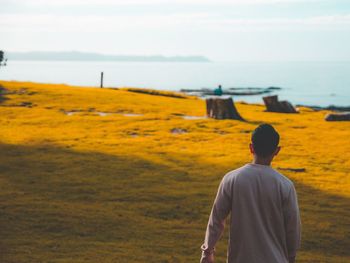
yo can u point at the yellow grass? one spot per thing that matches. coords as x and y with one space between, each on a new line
115 188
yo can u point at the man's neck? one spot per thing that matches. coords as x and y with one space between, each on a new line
262 161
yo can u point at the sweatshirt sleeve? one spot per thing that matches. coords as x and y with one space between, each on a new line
218 215
292 224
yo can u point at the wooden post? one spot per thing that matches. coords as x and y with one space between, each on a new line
101 79
271 103
274 105
222 109
2 59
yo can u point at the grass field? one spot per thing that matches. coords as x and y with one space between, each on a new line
137 184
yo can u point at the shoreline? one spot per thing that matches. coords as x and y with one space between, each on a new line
243 92
238 92
330 107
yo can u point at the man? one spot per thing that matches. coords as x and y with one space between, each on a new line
218 91
265 221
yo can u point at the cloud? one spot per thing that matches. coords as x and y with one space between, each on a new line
191 21
93 23
156 2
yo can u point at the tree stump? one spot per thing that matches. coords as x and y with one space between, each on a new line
274 105
222 109
345 116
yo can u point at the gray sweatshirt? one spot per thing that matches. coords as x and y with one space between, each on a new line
265 222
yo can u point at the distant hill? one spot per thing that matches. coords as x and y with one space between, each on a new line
85 56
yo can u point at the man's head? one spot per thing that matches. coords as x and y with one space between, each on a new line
264 142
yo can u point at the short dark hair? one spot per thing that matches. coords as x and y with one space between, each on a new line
265 140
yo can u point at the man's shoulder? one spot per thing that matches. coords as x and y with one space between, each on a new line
234 173
248 169
284 179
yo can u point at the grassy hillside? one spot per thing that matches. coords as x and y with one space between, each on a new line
137 184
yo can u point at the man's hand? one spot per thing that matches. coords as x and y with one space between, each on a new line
207 258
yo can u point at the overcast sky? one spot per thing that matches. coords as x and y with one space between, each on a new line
255 30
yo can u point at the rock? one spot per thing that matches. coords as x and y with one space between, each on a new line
247 91
296 170
345 116
331 107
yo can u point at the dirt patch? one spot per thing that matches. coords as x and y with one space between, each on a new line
133 134
188 117
132 114
99 113
220 132
178 131
21 91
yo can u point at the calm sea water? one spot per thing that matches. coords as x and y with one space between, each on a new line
309 83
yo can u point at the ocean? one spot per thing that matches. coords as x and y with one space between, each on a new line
307 83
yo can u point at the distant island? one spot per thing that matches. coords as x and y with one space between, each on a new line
86 56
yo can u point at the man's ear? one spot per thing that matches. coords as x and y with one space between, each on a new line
277 150
251 148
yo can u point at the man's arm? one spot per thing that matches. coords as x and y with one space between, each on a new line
216 223
292 224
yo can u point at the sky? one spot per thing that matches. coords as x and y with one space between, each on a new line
222 30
